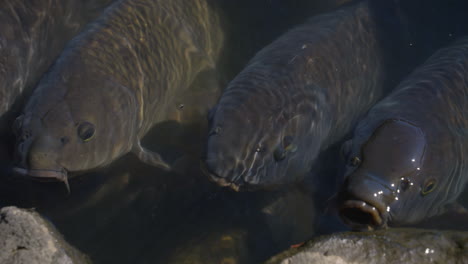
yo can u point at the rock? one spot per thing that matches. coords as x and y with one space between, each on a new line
384 246
29 238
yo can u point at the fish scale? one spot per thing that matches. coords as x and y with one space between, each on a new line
117 81
32 36
322 76
433 98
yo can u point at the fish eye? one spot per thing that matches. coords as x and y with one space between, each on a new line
429 187
86 131
355 161
288 144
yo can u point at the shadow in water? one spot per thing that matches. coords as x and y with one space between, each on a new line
130 212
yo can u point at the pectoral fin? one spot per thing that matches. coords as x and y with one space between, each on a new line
150 157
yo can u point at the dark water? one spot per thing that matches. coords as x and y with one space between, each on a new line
133 213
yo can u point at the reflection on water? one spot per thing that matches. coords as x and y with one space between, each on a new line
132 213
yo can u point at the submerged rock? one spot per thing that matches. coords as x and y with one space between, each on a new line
385 246
289 216
229 247
264 225
29 238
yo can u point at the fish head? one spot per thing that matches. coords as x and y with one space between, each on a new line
388 178
73 125
254 143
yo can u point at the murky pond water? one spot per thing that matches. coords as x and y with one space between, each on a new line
130 212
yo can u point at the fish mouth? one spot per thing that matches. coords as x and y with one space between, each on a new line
58 175
361 215
223 182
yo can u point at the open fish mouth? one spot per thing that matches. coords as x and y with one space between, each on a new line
57 175
361 215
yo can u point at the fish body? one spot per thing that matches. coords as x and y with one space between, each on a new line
32 34
113 82
407 158
299 95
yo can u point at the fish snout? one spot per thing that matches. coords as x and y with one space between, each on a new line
238 161
39 165
222 172
365 202
38 158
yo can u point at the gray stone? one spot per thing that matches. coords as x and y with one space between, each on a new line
26 237
384 246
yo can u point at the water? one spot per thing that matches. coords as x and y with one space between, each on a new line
133 213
